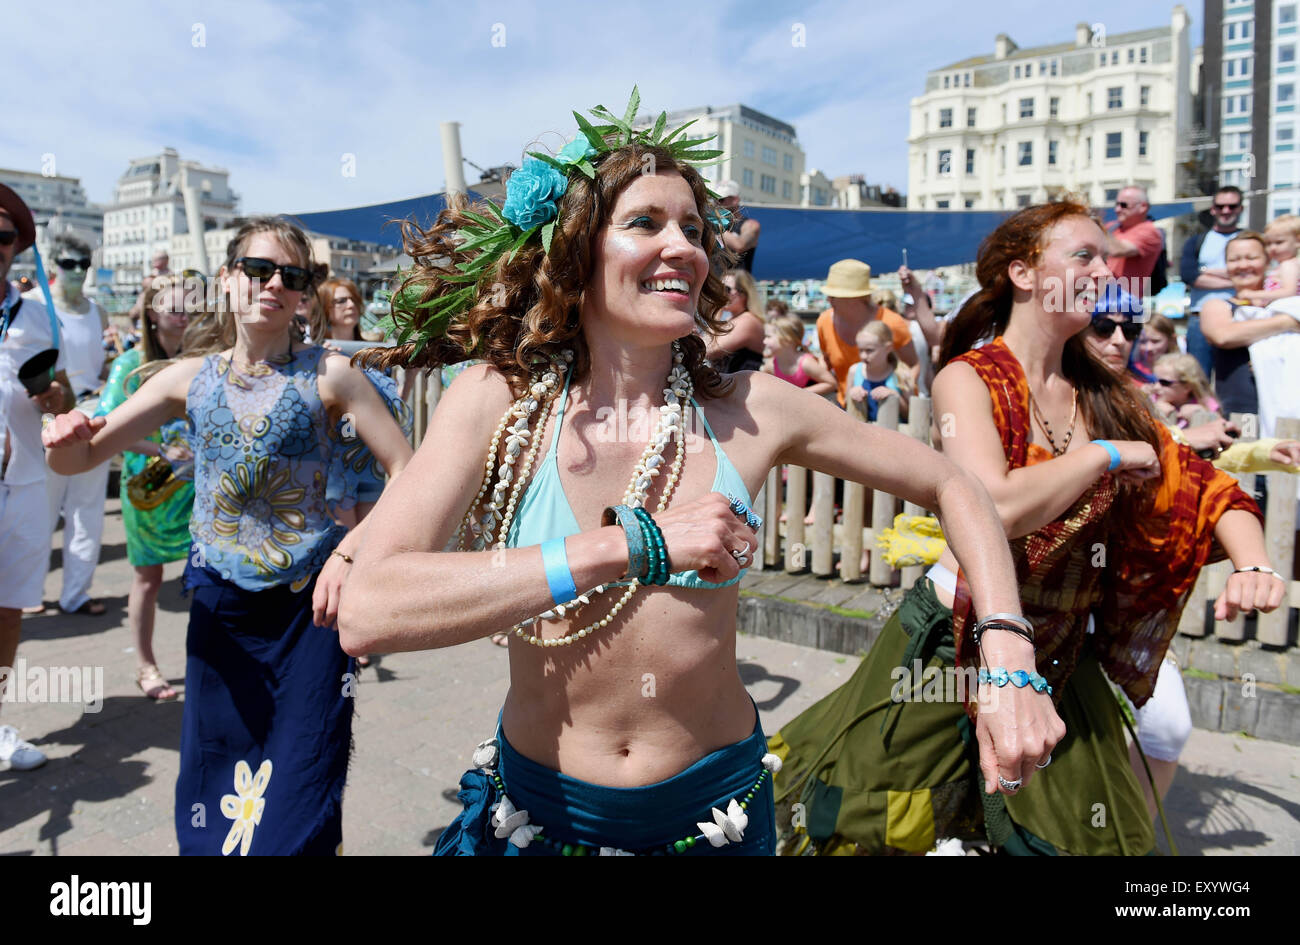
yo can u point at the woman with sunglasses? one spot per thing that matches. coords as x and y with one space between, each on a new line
740 347
279 430
1075 464
157 532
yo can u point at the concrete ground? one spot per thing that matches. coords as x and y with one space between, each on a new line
108 787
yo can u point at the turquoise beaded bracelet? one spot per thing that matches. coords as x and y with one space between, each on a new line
659 566
638 562
999 677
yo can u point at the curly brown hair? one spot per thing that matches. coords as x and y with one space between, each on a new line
530 305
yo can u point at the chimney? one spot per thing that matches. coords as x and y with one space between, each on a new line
1004 46
1082 35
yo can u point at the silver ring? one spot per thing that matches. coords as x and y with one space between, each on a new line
740 555
1045 763
1012 786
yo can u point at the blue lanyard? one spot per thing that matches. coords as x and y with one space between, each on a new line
9 310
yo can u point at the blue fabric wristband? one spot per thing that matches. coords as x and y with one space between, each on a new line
637 561
1110 448
558 576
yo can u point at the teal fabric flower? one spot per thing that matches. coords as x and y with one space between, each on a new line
576 151
533 193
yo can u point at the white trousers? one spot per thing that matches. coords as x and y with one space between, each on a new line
80 499
1165 723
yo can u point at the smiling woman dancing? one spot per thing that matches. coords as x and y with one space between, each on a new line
1106 515
278 428
627 728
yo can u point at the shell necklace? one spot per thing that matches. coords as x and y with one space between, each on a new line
506 493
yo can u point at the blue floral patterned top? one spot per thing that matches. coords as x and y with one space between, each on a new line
271 471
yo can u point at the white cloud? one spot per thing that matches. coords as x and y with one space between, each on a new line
279 92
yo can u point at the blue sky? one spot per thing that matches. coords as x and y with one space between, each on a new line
279 93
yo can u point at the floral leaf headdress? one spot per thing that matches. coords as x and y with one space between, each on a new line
531 209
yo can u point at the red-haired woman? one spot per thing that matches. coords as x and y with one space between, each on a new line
1106 516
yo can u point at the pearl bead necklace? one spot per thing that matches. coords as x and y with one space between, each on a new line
673 420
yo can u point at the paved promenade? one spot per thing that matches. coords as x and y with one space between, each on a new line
108 787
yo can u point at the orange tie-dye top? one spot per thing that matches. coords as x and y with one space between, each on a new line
1134 572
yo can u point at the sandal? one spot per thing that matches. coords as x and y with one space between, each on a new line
153 684
91 608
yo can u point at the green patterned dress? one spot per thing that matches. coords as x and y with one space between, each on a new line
162 534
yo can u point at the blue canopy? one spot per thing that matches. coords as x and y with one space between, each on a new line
373 224
801 243
795 243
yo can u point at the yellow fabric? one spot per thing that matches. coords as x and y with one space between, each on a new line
1251 458
909 823
914 540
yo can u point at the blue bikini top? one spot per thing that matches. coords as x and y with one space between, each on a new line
544 512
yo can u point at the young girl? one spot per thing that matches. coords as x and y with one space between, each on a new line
785 356
1181 389
1158 338
279 430
873 377
1281 238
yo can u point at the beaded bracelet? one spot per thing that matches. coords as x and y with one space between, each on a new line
659 567
638 562
1020 679
1260 570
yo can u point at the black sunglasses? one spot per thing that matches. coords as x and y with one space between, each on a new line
70 263
1165 382
1123 205
1105 327
295 278
7 237
1227 206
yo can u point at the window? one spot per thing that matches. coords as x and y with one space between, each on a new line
1285 134
1101 60
1115 97
747 177
1114 58
1088 103
945 118
1026 108
1087 150
1144 96
1245 30
1230 68
1114 147
1230 104
970 160
1245 66
945 81
1131 54
748 149
1142 55
1004 113
1286 54
966 83
1042 67
1243 140
1285 93
1143 137
945 163
1112 194
1286 14
787 162
1002 157
1243 101
1025 154
769 156
970 117
786 190
1022 200
968 203
1054 67
1016 71
1232 32
1052 148
767 184
1053 107
941 204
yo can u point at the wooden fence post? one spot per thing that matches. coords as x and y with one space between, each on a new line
855 510
882 503
918 425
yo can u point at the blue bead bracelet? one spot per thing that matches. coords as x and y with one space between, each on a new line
999 677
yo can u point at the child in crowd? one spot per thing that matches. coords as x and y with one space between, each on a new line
785 356
1158 338
1181 389
873 378
1281 239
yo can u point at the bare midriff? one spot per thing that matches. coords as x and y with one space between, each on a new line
637 701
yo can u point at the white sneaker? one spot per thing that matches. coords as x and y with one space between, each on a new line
950 847
16 753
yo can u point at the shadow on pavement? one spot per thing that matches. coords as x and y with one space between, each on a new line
752 673
1205 815
97 772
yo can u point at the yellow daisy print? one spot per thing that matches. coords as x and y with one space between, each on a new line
245 806
259 511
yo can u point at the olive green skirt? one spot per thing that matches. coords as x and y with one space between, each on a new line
888 764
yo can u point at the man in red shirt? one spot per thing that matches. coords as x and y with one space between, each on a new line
1133 243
